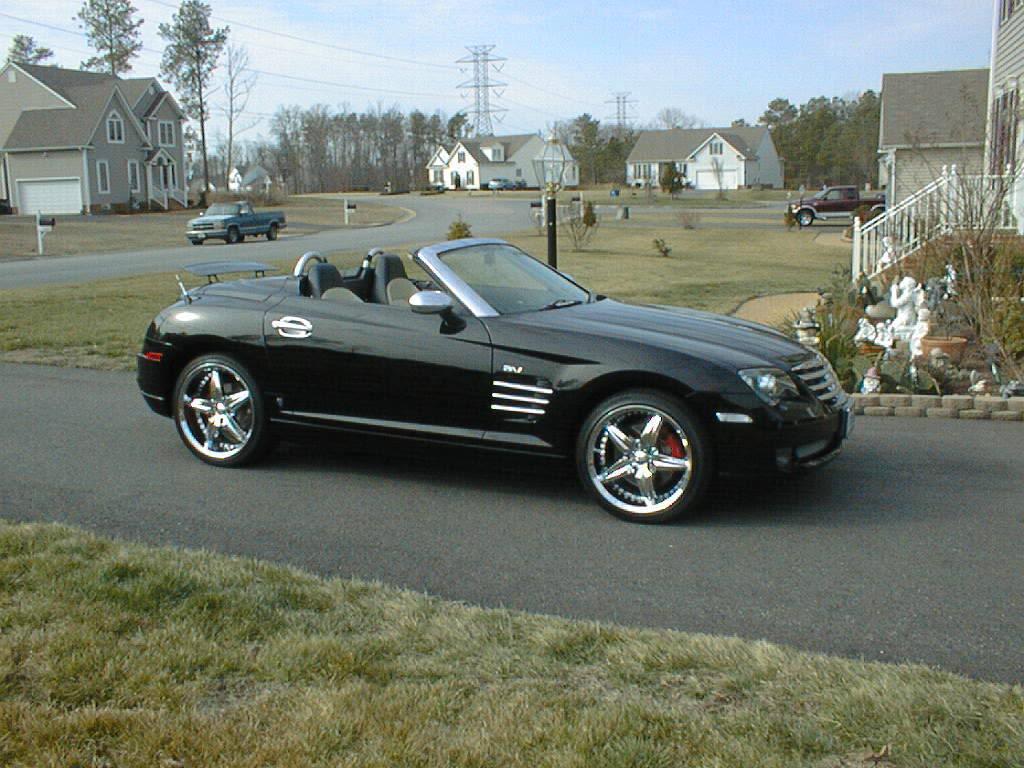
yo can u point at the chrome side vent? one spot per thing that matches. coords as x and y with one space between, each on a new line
819 377
524 399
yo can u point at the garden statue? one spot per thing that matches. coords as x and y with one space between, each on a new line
884 336
872 382
807 328
905 297
1012 388
865 332
888 255
920 331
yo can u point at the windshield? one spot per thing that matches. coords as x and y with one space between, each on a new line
222 209
512 281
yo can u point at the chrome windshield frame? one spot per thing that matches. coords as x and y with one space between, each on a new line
429 258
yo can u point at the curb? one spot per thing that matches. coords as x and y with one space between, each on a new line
967 407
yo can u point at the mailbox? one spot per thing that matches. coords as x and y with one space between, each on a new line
350 206
535 204
43 226
49 223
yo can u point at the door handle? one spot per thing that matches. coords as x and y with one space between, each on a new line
292 327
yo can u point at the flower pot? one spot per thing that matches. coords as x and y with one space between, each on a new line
951 345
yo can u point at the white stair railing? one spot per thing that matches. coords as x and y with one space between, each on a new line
950 202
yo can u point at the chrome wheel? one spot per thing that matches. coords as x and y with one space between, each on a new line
639 459
215 410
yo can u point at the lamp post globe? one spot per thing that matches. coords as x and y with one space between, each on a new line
550 166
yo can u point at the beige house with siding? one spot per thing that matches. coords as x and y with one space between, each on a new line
930 120
73 142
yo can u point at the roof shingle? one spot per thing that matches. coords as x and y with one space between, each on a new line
934 108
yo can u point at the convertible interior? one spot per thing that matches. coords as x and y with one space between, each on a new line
384 282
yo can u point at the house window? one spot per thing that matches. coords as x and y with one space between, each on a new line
115 129
470 178
1003 152
166 130
715 148
133 176
103 177
1006 10
462 157
439 176
519 173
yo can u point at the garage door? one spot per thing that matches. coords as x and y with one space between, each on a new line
49 196
707 180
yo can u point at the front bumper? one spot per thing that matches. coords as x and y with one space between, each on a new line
205 234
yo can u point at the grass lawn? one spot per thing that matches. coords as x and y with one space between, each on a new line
100 234
100 324
114 654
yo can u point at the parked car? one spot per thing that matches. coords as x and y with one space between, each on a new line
520 184
833 203
496 350
232 222
5 208
500 183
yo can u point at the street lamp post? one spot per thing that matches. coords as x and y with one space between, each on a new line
550 166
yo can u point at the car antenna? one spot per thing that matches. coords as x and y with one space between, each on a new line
181 287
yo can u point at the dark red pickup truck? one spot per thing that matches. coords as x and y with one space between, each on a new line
833 203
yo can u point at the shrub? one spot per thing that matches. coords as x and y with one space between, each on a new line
581 226
663 248
689 219
789 219
459 229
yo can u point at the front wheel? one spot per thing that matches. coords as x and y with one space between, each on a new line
272 232
644 457
234 236
219 412
805 218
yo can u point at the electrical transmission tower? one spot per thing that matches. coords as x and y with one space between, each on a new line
481 85
623 116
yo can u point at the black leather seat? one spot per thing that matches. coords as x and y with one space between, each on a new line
323 277
387 267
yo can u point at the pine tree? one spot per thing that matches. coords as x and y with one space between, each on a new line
190 58
25 50
113 33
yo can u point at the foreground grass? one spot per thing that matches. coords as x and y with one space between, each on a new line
121 655
101 234
100 324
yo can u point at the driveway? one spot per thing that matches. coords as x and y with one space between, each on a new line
487 214
906 548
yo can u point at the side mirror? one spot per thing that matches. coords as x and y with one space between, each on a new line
430 302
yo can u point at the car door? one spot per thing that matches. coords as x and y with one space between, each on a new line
247 219
829 205
379 366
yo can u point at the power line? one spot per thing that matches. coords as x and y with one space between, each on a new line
299 38
549 92
481 85
623 117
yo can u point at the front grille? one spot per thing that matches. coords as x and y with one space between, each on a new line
203 226
819 377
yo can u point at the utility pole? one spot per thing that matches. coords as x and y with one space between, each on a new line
481 85
623 116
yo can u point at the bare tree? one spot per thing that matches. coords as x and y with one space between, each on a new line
673 117
718 169
238 86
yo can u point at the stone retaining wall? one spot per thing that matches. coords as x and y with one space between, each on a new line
990 407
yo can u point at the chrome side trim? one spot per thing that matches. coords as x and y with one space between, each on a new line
536 400
733 418
525 387
518 409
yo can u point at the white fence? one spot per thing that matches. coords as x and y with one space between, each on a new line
953 201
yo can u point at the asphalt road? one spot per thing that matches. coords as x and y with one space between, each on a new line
909 547
488 215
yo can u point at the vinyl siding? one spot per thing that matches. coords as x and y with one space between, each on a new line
24 93
916 168
1009 58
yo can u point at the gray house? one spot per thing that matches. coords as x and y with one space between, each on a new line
73 141
709 158
930 120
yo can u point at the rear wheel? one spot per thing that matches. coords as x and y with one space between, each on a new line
234 236
805 218
272 232
644 457
219 412
196 242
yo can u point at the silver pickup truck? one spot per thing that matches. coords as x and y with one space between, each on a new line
231 222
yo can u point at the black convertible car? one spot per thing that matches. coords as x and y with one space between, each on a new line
495 350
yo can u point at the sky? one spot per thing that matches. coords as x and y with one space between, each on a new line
717 60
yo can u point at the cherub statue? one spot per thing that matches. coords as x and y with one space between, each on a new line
905 297
920 331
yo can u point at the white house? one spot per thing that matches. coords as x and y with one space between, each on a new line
472 163
709 158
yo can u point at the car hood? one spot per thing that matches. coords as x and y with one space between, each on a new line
726 340
220 219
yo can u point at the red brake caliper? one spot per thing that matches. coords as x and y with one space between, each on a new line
673 446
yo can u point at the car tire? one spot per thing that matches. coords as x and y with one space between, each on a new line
272 232
219 412
805 218
234 236
644 456
196 242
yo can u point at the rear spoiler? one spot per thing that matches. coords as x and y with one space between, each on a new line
212 270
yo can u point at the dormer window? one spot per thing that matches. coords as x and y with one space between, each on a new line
715 148
115 128
166 131
462 157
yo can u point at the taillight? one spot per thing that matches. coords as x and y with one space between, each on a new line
156 357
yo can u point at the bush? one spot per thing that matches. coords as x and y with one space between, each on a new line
689 219
789 219
459 229
581 226
662 247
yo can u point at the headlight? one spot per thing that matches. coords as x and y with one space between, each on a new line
770 384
